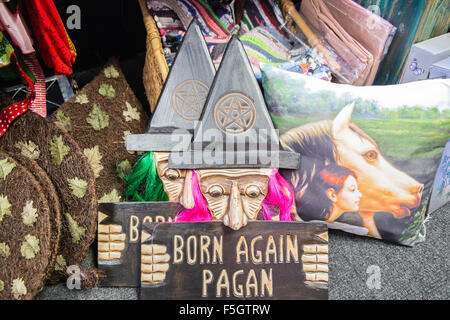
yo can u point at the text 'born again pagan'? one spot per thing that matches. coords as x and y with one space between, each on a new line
258 251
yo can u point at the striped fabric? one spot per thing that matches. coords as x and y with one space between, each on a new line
39 104
214 26
260 33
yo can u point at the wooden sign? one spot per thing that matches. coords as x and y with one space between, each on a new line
119 238
207 260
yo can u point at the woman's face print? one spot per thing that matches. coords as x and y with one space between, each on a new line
349 197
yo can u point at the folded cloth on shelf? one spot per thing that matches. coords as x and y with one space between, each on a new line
261 33
355 60
369 29
173 18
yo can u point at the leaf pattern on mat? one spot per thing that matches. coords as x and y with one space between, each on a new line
29 214
63 122
61 264
75 230
94 158
97 118
82 99
30 247
111 72
2 286
5 207
113 196
131 113
78 186
5 168
18 288
124 169
58 150
4 250
28 149
107 90
125 133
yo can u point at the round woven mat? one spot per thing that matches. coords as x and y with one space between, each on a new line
25 232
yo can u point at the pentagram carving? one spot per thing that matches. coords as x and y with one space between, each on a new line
235 113
188 98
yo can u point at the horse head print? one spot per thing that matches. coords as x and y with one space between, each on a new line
384 188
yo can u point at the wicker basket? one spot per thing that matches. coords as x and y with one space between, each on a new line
155 68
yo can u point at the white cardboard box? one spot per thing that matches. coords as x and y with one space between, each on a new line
440 69
423 55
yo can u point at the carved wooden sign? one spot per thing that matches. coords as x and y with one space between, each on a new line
207 260
234 117
119 238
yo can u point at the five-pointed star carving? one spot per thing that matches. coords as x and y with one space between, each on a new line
235 113
191 98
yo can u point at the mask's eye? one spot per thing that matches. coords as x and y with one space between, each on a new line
252 191
215 191
371 155
172 174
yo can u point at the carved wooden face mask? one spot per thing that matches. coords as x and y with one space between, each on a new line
177 183
234 195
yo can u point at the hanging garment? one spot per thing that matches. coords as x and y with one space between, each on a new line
13 24
53 42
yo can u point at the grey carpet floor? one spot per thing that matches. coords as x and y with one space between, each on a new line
420 272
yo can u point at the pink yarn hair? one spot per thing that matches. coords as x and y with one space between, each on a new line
200 211
280 194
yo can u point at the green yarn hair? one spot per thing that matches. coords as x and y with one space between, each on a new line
144 183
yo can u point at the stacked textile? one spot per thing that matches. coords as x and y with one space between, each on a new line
261 30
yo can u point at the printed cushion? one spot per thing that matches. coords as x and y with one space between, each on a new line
369 154
441 186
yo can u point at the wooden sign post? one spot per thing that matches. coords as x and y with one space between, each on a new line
207 260
119 238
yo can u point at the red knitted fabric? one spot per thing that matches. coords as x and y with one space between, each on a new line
52 40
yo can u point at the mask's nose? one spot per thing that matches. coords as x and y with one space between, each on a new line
187 198
235 218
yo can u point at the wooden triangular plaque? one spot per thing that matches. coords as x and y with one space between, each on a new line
235 130
182 98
